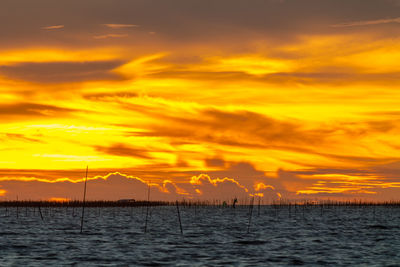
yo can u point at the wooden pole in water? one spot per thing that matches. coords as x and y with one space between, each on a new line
147 209
250 214
17 207
40 212
84 199
234 202
179 217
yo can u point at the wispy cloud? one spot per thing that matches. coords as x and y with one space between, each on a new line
61 71
120 26
105 36
54 27
30 110
123 151
367 22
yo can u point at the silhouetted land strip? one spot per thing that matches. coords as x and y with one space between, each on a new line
186 203
78 203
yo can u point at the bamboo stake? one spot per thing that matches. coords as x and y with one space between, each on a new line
84 199
250 214
179 217
147 209
234 202
40 212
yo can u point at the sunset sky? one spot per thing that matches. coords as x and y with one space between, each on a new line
202 99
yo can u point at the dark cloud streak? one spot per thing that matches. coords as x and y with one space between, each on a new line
32 110
58 72
124 151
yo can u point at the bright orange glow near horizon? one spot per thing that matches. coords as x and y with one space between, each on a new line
234 104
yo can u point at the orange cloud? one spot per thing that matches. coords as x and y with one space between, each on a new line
204 178
171 188
56 72
54 27
204 187
114 186
120 26
262 186
59 199
198 99
367 22
110 35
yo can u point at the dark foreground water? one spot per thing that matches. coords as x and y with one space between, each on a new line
212 236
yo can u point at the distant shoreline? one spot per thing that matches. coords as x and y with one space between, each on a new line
139 203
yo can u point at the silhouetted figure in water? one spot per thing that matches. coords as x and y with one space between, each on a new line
234 202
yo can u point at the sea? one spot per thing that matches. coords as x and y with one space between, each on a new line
201 236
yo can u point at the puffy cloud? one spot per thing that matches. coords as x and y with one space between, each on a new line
114 186
286 185
261 186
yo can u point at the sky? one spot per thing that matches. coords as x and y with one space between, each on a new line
200 99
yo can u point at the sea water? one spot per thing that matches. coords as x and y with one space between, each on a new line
212 236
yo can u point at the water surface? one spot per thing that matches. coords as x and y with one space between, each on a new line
212 236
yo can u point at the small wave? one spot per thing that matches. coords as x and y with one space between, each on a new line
378 226
250 242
